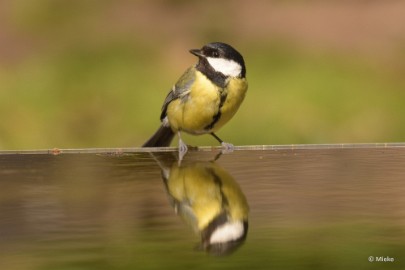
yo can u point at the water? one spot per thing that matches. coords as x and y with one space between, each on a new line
308 207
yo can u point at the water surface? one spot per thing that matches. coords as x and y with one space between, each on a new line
308 207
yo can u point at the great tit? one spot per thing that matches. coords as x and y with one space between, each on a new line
205 97
209 200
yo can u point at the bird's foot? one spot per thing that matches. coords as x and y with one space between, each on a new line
182 150
227 147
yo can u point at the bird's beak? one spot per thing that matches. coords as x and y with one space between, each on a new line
197 52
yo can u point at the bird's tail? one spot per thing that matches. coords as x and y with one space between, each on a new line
162 137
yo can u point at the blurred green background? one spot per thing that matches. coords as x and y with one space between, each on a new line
95 73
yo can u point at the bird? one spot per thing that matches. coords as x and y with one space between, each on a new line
209 200
205 97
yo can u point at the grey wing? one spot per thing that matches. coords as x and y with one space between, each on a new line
180 90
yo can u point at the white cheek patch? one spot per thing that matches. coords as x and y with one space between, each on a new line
225 66
227 232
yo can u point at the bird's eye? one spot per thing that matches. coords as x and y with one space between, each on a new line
215 54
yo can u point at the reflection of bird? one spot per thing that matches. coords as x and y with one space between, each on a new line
205 97
210 201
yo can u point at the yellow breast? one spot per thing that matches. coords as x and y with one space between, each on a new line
197 111
236 91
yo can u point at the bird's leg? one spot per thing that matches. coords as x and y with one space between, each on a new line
228 147
218 156
182 147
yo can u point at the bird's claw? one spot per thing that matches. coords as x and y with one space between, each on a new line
182 150
227 147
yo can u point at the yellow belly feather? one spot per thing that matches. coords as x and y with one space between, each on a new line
195 113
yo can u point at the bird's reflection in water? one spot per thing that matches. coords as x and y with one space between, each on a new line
209 200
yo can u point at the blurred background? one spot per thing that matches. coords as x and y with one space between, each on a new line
95 73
